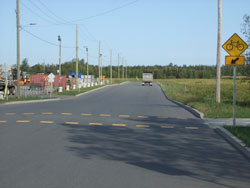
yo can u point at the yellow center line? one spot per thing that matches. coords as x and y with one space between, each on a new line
23 121
105 115
118 125
142 116
95 124
47 113
144 126
194 128
167 126
46 122
67 114
72 123
29 113
163 117
10 114
3 121
124 116
86 114
182 118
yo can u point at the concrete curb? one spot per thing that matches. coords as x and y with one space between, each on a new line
31 101
195 112
234 141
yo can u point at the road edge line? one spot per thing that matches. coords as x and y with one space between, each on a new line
31 101
234 141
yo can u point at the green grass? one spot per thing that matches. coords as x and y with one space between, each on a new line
243 133
13 99
200 94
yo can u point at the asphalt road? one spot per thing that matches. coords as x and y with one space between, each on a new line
120 136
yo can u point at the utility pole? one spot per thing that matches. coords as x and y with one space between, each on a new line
126 70
122 68
18 48
118 67
87 50
218 73
60 53
101 67
111 66
99 62
77 57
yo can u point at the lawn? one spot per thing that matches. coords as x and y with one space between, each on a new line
13 99
242 133
200 94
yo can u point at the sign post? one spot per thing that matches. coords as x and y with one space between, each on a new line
51 77
235 46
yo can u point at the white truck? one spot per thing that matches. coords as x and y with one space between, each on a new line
147 78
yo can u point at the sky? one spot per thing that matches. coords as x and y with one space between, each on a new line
143 32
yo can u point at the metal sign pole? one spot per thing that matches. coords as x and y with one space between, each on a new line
234 98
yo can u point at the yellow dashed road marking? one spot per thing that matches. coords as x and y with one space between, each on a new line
3 121
47 113
29 113
142 116
182 118
194 128
105 115
86 114
10 114
144 126
67 114
126 116
95 124
23 121
118 125
72 123
167 126
47 122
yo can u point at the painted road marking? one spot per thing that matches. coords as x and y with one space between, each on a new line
29 113
144 126
182 118
72 123
46 122
124 116
3 121
167 126
142 116
105 115
66 114
163 117
86 114
47 113
23 121
10 114
95 124
118 125
194 128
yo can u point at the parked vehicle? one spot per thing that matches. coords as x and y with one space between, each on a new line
147 78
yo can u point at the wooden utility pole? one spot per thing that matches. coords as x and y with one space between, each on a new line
126 70
111 66
18 48
218 73
60 54
118 67
122 68
99 62
77 57
87 65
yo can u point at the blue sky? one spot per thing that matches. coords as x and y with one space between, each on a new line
146 32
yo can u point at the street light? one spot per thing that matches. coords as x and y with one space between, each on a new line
87 50
59 39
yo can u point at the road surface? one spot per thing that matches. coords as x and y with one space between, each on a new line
120 136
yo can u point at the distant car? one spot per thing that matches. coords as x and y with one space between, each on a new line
147 78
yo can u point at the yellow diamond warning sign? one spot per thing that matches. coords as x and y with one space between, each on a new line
235 61
235 45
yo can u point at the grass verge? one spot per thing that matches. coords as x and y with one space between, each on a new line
13 99
200 94
243 133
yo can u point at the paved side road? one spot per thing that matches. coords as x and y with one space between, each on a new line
122 136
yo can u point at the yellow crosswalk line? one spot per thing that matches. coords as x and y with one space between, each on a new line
167 126
125 116
46 122
10 114
86 114
3 121
143 126
142 116
118 125
95 124
28 113
66 114
105 115
194 128
47 113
